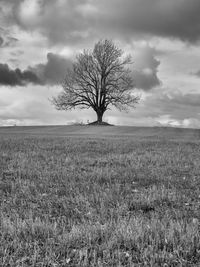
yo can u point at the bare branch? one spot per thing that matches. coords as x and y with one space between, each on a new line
98 79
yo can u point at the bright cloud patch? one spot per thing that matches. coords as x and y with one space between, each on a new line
29 12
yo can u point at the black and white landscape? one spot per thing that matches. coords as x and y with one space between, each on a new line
99 133
40 38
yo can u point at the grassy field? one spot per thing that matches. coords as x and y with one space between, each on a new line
99 196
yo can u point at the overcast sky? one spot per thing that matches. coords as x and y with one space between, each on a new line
40 38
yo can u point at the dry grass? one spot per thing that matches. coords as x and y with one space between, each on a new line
99 202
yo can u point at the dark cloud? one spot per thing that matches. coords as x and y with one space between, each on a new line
146 80
197 73
16 77
178 19
177 105
80 20
1 41
145 69
54 71
144 73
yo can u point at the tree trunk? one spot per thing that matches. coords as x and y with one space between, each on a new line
99 116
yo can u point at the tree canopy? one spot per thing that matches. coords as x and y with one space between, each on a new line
98 79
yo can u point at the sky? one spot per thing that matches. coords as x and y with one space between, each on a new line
39 40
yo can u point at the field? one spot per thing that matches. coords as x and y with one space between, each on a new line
99 196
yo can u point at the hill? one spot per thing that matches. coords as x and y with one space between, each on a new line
99 196
103 131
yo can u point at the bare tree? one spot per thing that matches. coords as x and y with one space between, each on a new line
97 80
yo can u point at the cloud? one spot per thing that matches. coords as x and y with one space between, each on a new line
145 69
176 105
31 106
60 21
16 77
174 19
197 73
146 79
83 20
6 39
10 41
29 12
54 70
180 106
163 108
1 41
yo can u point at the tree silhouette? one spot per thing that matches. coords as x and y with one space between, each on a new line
98 79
